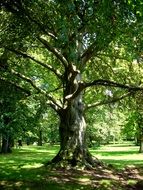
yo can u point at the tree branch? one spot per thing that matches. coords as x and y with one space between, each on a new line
49 67
95 47
17 86
27 79
104 102
102 82
89 52
54 51
39 90
20 9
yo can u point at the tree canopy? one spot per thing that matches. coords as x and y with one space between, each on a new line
72 52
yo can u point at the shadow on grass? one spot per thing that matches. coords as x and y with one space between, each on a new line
38 179
44 179
119 164
113 153
23 170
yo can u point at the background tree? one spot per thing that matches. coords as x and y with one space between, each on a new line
66 45
9 98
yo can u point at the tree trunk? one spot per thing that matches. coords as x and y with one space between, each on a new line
72 130
140 131
141 144
73 148
40 138
6 145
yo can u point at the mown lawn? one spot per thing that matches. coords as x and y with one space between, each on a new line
24 169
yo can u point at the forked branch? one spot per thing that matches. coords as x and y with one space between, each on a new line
102 82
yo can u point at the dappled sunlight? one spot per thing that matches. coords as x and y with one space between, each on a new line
28 158
118 155
24 169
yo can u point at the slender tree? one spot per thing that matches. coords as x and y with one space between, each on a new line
65 44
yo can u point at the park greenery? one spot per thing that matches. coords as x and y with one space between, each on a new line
71 74
23 169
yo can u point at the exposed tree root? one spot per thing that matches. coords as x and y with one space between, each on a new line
84 161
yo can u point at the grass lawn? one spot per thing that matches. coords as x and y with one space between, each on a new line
23 169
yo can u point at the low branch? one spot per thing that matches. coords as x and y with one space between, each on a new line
104 102
102 82
27 79
16 86
24 55
80 88
52 49
39 90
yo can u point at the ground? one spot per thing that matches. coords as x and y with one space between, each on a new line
24 170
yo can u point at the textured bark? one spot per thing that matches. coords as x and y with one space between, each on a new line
72 130
73 148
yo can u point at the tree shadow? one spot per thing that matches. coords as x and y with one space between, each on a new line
43 178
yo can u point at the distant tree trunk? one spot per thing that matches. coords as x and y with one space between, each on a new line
40 138
0 141
141 140
141 145
137 139
6 144
140 136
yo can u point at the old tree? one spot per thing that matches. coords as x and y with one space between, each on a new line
70 52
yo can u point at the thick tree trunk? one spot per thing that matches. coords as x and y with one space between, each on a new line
72 130
73 148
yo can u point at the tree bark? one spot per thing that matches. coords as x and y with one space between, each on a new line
141 140
40 138
141 145
72 129
6 145
73 147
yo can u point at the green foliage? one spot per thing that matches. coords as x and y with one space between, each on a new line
131 126
44 44
22 169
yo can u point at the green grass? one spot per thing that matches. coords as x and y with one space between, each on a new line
23 169
119 155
